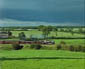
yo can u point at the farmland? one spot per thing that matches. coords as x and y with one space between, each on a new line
38 33
48 56
75 42
39 59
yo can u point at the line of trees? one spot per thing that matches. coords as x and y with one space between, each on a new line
46 30
63 46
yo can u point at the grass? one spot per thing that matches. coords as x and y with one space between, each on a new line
39 53
44 64
59 60
74 42
38 33
43 59
71 41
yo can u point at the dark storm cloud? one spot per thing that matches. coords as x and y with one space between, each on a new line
44 10
44 5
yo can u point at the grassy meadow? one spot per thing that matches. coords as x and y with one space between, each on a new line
45 58
37 33
39 59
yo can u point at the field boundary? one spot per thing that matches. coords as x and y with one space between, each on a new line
40 58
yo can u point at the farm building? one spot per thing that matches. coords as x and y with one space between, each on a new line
4 35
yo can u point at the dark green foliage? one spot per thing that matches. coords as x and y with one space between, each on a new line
22 36
35 46
59 47
80 48
61 30
83 49
45 30
17 46
71 48
32 46
9 33
40 27
38 46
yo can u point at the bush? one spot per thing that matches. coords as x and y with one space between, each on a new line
76 48
32 46
71 48
7 47
35 46
38 46
59 47
83 49
17 46
62 42
79 48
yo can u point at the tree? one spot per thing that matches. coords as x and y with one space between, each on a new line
79 48
81 30
17 46
55 30
71 48
22 36
50 28
83 49
61 30
45 31
9 33
59 47
40 27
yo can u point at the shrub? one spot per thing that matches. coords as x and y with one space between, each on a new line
71 48
76 49
32 46
7 47
17 46
63 43
38 46
35 46
79 48
83 49
59 47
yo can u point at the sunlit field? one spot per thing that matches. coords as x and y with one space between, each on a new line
48 56
39 59
53 33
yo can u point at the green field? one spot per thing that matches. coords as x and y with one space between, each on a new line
41 59
69 42
38 33
45 58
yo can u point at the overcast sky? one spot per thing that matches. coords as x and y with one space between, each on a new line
55 9
43 5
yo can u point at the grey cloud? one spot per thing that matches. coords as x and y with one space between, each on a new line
43 5
55 10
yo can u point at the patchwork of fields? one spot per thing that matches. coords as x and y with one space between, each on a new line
43 58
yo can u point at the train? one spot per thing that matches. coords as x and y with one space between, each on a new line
26 42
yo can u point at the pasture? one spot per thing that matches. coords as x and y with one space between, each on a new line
69 42
37 33
41 59
45 58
